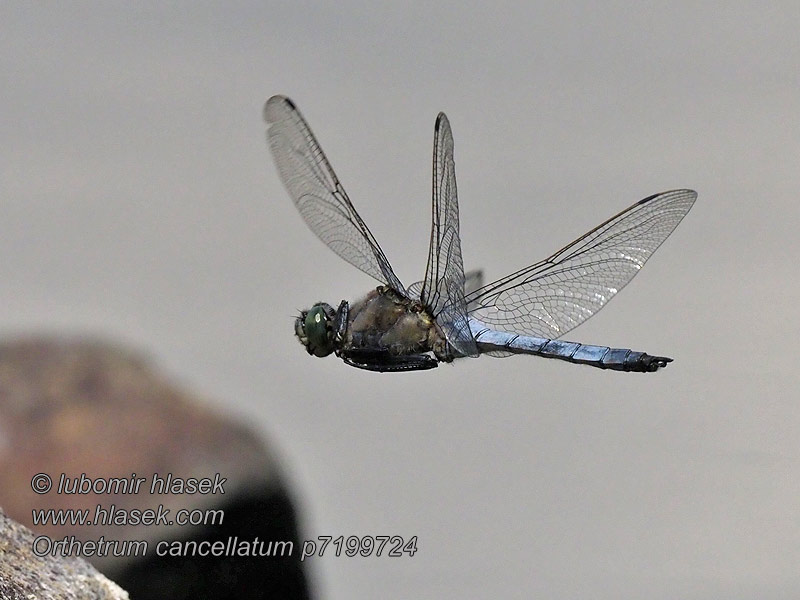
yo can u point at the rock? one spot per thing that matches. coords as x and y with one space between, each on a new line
24 575
82 412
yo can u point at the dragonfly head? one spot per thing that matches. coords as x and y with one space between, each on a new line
314 329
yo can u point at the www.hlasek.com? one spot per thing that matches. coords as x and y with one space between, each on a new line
112 515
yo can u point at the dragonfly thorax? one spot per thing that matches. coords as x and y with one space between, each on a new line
314 329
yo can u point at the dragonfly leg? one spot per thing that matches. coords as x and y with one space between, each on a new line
383 361
340 322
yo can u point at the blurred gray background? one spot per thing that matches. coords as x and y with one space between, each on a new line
139 202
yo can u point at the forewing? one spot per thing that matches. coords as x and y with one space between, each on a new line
443 287
551 297
317 193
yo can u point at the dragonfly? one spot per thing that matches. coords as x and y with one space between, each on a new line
451 315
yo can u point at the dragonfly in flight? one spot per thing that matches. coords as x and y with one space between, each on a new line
449 315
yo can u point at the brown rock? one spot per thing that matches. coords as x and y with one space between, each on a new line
83 411
25 575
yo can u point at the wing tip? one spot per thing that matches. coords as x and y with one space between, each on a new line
686 192
274 105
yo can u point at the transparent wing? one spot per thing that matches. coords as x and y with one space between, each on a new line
317 193
472 281
551 297
443 287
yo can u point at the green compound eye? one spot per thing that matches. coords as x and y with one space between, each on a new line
316 329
